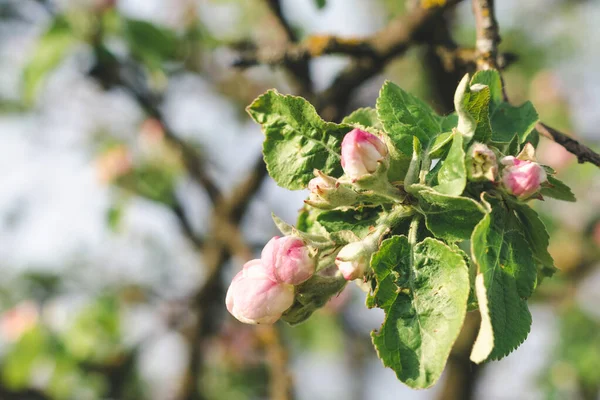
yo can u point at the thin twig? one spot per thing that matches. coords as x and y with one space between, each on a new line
488 39
584 154
186 225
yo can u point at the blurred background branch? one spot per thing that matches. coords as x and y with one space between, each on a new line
178 191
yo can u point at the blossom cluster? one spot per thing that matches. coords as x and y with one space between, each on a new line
265 288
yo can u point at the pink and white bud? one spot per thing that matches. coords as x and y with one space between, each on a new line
353 260
287 260
361 153
321 187
327 193
481 163
322 184
254 298
522 178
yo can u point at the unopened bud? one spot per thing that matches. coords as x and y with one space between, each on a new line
327 193
287 260
522 178
481 163
354 259
322 188
362 152
254 298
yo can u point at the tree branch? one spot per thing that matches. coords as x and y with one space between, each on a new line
281 381
388 43
488 39
488 34
297 69
193 162
313 47
209 300
584 154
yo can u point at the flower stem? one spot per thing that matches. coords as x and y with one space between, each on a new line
425 167
412 231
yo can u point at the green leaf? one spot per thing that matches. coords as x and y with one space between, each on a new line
320 4
359 222
404 115
440 144
51 49
19 361
506 278
449 122
472 103
114 216
537 237
297 139
364 118
557 190
151 43
452 176
448 217
423 292
155 182
491 79
506 120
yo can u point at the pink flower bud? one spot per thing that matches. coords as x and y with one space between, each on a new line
481 163
522 178
254 298
322 184
353 260
287 260
361 153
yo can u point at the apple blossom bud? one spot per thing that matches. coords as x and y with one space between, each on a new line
481 163
353 260
254 298
522 178
327 193
361 153
322 184
287 260
321 188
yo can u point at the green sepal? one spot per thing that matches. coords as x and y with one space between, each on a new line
312 295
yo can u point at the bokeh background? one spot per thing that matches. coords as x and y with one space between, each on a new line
131 191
